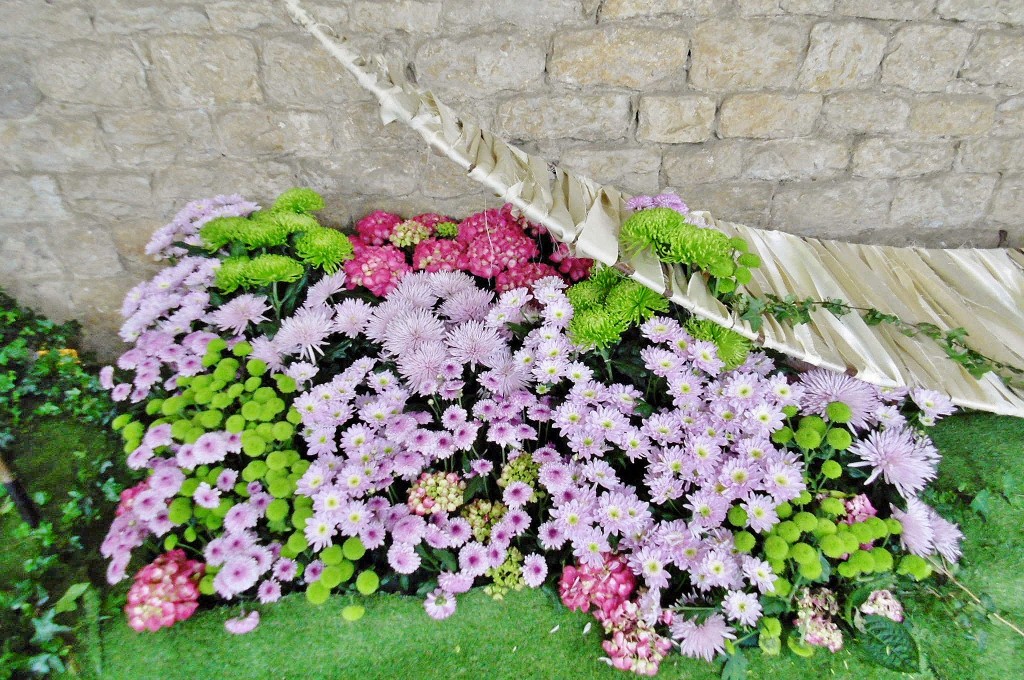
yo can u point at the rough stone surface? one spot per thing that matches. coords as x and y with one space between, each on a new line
952 115
1006 11
191 72
992 155
997 59
1008 201
585 117
841 56
675 119
885 157
620 56
887 9
768 116
847 208
925 57
857 112
791 159
628 9
631 169
943 201
809 116
738 55
483 65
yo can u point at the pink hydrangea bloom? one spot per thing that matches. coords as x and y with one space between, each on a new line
375 229
164 592
377 268
437 255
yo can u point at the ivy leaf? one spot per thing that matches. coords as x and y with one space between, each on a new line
67 602
889 644
736 666
982 503
46 629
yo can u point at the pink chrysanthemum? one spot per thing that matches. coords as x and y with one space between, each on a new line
235 315
243 624
439 604
702 641
822 387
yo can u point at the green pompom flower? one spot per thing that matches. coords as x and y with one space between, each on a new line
733 348
634 303
447 230
596 328
267 269
299 200
324 248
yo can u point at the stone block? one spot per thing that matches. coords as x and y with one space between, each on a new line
19 95
35 19
532 15
138 16
715 161
384 172
634 170
736 55
1008 201
92 73
622 56
157 138
629 9
1010 117
45 144
28 254
886 157
597 117
768 115
993 154
295 74
397 15
176 185
925 57
439 177
944 201
264 132
843 208
109 195
85 251
952 115
997 59
777 7
841 56
193 72
481 65
793 159
36 197
676 119
1003 11
863 112
899 10
742 202
235 16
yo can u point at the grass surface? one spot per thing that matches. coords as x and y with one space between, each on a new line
513 639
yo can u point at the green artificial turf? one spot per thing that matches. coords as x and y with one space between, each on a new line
513 639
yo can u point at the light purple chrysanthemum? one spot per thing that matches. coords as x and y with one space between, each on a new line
704 640
918 535
235 315
439 604
822 387
243 624
535 570
903 460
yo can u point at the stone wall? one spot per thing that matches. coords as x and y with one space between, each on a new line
891 121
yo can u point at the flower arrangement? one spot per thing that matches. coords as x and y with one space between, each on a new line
431 406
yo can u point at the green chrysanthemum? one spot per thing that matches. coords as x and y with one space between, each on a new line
261 234
299 200
596 327
231 274
324 248
447 230
706 249
634 303
733 348
267 269
585 295
221 231
606 278
291 222
650 228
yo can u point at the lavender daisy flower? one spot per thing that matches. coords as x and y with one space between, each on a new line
235 315
741 607
206 497
238 575
403 558
439 604
535 570
918 535
903 460
822 387
702 641
242 625
285 569
269 591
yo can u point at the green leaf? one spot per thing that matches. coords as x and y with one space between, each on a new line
67 602
46 629
736 666
982 503
889 644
